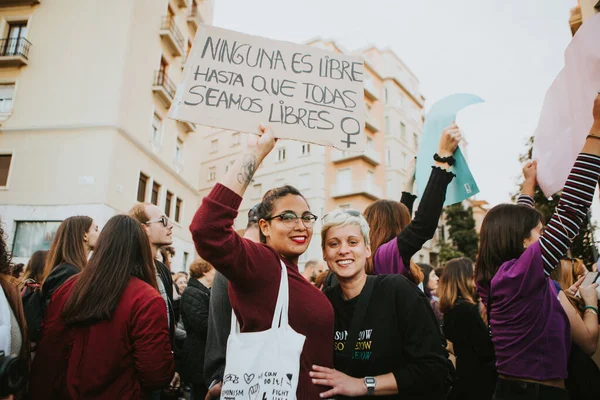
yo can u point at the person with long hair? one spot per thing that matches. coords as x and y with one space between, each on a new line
68 255
387 341
430 286
105 332
530 329
395 239
14 340
466 329
583 381
194 313
34 274
254 270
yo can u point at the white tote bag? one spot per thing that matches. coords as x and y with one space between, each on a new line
264 365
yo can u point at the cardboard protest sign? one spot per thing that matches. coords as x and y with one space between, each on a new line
441 115
236 81
566 116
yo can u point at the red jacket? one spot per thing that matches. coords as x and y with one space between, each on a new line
123 358
254 271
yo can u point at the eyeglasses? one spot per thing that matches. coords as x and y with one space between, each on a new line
290 219
164 220
352 213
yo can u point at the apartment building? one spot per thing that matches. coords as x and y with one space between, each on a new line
330 178
84 91
584 10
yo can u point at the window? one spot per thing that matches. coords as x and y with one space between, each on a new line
229 166
386 95
179 151
17 31
387 124
143 182
6 97
344 180
416 140
370 145
32 236
402 130
306 149
212 173
168 202
155 192
235 139
156 128
5 160
388 156
177 209
214 145
281 154
304 181
257 191
404 161
186 256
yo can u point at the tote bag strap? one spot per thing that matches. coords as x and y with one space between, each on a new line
281 307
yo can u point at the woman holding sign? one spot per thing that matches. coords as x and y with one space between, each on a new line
395 239
530 329
266 284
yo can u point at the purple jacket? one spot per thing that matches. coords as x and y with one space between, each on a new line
530 330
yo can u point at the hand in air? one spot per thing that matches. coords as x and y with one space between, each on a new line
589 294
530 171
263 143
340 383
449 140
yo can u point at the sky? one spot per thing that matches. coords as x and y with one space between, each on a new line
506 51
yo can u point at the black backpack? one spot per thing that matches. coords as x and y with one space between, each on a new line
33 308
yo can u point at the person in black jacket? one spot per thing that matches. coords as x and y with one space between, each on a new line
395 349
194 313
466 329
160 233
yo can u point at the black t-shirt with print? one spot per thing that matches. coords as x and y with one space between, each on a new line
399 335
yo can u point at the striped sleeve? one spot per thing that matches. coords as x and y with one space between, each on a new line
525 200
571 211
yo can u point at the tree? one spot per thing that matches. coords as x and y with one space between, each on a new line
463 237
583 246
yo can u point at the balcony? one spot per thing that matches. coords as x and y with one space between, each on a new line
172 36
14 52
15 3
194 17
182 3
366 189
370 156
163 88
371 123
370 90
186 126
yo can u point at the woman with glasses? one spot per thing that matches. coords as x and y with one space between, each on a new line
387 342
254 269
395 239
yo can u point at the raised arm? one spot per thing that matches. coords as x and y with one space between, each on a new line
212 226
528 190
423 226
575 200
408 198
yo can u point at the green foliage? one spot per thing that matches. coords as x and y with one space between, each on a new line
463 237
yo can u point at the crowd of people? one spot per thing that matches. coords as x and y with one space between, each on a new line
102 314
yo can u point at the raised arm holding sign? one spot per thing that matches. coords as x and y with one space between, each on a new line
236 81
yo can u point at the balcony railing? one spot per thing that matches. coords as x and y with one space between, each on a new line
371 123
194 17
164 88
370 90
367 189
14 51
369 155
172 35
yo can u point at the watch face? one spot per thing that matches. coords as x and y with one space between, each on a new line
370 380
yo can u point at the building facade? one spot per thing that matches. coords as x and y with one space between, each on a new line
85 87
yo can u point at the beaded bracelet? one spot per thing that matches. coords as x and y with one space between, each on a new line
593 137
591 308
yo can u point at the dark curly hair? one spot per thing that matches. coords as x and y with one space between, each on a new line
5 256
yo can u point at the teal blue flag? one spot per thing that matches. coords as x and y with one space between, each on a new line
441 115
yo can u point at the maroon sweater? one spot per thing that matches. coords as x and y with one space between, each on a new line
254 273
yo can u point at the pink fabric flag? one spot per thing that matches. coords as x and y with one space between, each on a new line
566 116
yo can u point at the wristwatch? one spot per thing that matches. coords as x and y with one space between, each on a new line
370 383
